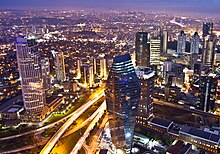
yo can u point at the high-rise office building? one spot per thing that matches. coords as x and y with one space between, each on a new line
181 44
155 50
142 49
207 92
94 66
46 73
207 29
60 67
165 40
197 73
167 67
87 75
78 70
145 108
122 97
179 73
209 52
194 47
103 71
30 71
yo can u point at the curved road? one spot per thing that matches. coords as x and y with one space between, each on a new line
97 95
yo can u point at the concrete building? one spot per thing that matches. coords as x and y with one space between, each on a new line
60 67
145 108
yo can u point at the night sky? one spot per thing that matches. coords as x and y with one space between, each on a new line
207 7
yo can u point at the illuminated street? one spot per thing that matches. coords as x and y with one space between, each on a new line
74 116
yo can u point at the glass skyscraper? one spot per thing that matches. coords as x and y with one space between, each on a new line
122 97
194 47
181 44
142 48
207 92
30 70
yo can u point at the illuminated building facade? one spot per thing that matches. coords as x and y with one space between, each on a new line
122 97
142 49
181 44
78 68
60 67
207 92
207 29
103 71
194 47
46 73
145 108
30 71
155 47
165 40
209 52
88 75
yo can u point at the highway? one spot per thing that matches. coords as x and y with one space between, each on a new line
92 148
84 122
99 94
79 144
51 143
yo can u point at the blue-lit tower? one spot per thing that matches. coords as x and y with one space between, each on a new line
122 96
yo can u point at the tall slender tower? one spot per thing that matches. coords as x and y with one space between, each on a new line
145 109
209 52
78 68
194 47
142 47
122 97
181 44
30 71
207 92
103 70
60 67
207 29
155 47
165 40
46 73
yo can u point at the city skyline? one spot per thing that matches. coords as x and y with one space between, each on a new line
86 77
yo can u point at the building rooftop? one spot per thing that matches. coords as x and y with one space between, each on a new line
10 102
200 134
160 121
12 109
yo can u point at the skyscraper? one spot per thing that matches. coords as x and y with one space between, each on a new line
194 47
209 52
30 71
46 73
78 68
207 29
155 47
142 47
122 97
207 92
167 67
197 73
88 75
165 40
145 108
181 44
103 70
60 67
